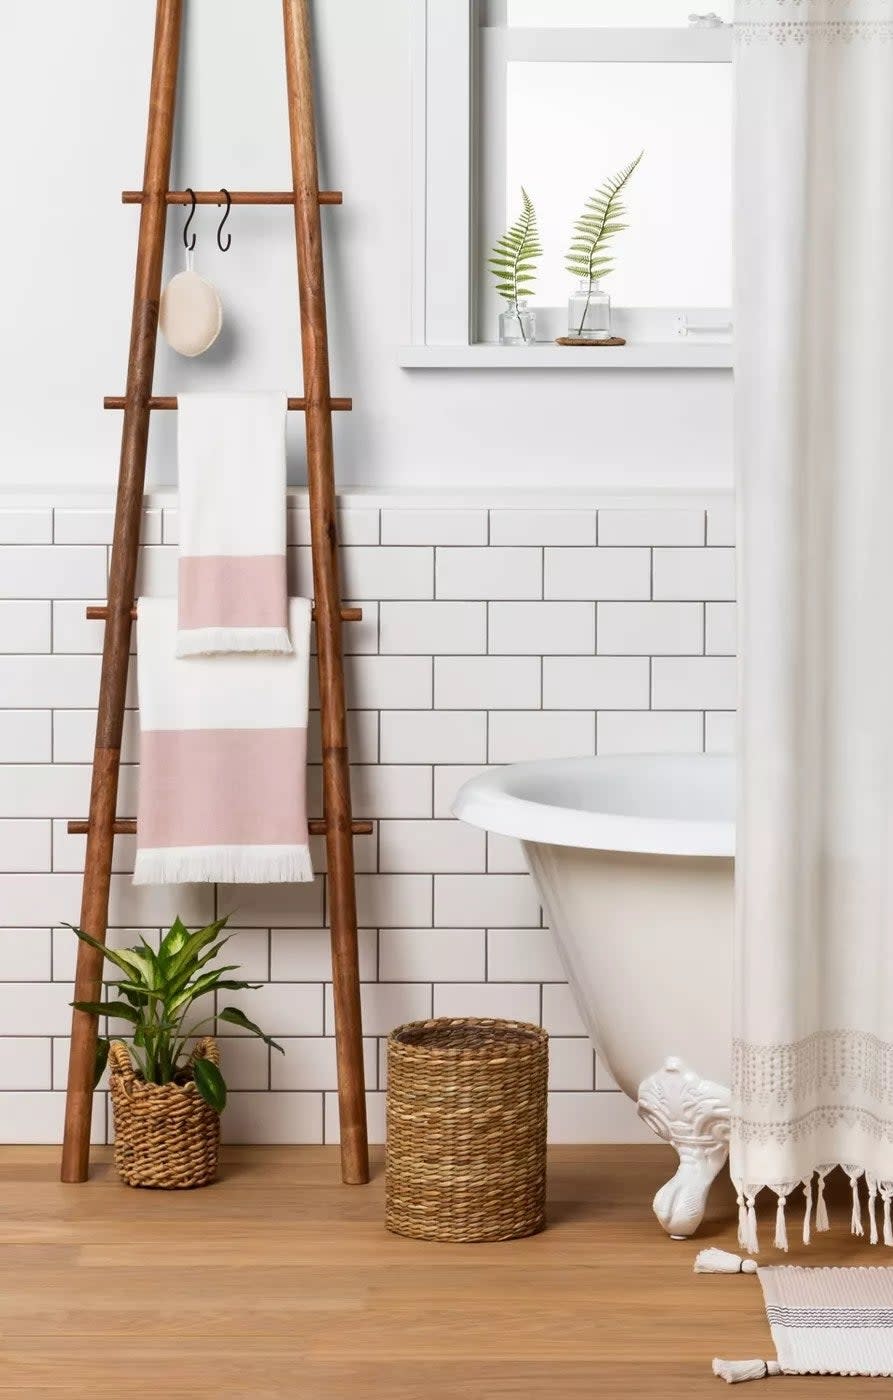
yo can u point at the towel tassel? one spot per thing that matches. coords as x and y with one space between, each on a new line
886 1188
721 1261
807 1210
733 1371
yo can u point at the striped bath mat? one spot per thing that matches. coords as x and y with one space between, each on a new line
824 1322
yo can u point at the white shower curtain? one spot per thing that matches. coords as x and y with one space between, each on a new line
813 1053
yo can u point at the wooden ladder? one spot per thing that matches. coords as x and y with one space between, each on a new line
317 405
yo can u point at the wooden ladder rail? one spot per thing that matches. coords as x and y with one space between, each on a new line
342 906
122 580
138 404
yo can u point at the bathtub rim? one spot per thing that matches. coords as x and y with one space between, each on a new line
486 802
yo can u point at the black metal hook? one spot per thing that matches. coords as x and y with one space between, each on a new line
225 247
190 247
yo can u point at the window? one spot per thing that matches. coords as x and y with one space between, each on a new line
557 95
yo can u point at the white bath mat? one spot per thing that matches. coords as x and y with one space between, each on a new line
824 1322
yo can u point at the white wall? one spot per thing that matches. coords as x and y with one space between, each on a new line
576 624
73 86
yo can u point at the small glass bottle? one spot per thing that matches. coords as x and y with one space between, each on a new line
589 313
517 325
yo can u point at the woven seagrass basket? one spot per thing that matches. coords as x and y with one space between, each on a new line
466 1154
165 1134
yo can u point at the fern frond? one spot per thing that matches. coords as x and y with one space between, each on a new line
600 221
514 256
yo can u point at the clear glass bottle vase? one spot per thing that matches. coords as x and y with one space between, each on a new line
517 324
589 313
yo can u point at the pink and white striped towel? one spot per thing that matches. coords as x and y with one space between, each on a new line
223 754
232 584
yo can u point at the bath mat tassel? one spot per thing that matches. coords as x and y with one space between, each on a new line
826 1321
733 1371
722 1261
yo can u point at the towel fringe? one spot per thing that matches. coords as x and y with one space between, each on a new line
886 1190
733 1371
214 641
225 865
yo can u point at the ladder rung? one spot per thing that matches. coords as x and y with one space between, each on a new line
126 826
170 402
236 197
99 613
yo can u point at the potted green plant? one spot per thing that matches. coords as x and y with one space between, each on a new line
513 262
167 1088
589 259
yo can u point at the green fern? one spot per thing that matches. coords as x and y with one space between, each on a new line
588 256
514 256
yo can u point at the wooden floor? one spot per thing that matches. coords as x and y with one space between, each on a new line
280 1282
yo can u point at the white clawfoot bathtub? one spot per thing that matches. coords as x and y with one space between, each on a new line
633 858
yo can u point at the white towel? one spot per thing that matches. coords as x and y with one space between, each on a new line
232 581
223 750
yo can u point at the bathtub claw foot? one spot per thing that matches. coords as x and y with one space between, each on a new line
692 1114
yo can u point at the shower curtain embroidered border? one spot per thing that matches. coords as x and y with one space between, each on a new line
801 21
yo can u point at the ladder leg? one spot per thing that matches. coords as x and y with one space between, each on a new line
321 486
122 578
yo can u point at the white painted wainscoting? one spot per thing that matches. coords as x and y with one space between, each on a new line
496 628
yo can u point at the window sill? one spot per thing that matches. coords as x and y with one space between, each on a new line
672 354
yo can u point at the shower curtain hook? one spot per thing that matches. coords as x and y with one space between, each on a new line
225 247
190 247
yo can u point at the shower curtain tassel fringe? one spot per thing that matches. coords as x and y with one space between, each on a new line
733 1371
722 1261
781 1233
821 1209
856 1219
807 1210
752 1242
872 1213
742 1220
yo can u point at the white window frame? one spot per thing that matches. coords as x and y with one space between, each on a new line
460 49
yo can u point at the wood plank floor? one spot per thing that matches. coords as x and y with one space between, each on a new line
280 1282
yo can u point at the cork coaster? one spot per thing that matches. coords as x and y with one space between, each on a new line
575 340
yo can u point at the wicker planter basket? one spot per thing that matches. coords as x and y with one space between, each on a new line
165 1134
466 1155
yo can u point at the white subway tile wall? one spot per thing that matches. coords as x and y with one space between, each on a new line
490 635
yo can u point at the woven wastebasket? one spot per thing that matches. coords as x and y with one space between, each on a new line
165 1134
466 1155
